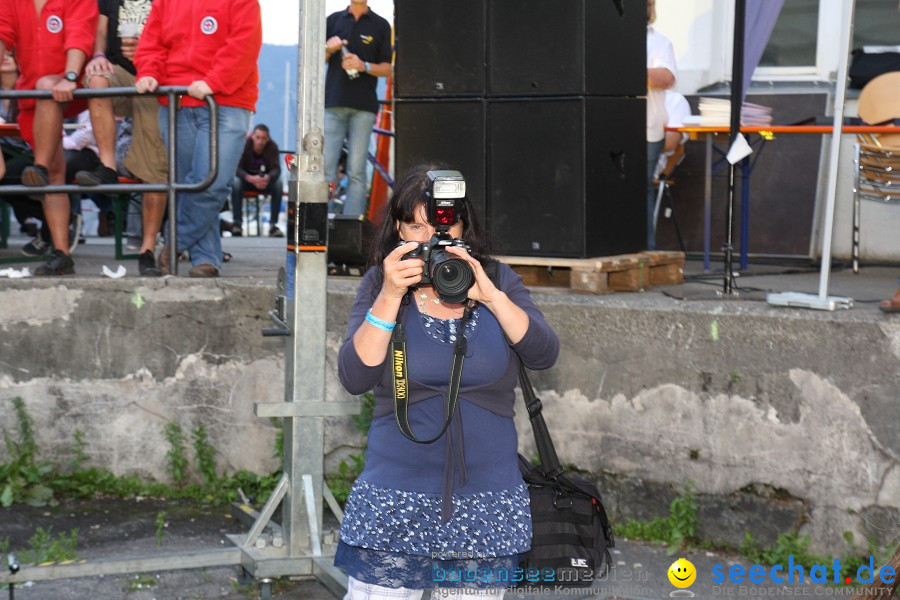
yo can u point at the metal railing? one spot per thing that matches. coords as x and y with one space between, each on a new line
170 187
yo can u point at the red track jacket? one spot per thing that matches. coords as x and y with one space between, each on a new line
41 41
217 41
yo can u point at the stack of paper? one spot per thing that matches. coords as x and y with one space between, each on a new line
716 112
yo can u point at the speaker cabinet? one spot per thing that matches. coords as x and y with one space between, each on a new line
566 47
440 48
449 132
349 237
567 176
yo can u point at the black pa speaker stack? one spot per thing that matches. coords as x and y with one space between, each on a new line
539 104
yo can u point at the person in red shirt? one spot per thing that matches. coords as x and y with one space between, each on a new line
212 48
52 39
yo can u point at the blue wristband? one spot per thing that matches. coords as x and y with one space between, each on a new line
367 67
379 323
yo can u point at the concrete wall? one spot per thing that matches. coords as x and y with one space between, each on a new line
781 419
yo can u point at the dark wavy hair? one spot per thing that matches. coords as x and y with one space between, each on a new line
408 195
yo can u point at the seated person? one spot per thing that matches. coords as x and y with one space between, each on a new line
257 171
81 153
52 47
119 29
15 156
677 108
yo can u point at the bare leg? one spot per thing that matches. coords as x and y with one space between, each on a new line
104 123
56 206
48 118
153 209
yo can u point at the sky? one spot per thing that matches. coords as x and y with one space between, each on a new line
281 18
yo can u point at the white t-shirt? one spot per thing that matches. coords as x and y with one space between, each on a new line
677 108
659 54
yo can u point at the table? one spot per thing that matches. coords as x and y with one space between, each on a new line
708 134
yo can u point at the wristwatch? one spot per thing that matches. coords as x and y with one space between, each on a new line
71 76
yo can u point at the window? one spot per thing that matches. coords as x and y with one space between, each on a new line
877 23
793 40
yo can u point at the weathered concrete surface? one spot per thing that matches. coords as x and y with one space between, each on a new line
781 419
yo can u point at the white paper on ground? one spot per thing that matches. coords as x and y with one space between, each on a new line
15 273
740 149
118 274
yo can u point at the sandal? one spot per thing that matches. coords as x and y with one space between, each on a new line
892 305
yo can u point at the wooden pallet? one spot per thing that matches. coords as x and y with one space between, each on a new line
622 273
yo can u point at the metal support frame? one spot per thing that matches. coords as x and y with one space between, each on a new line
823 301
300 317
171 188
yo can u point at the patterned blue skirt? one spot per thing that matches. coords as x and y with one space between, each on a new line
395 538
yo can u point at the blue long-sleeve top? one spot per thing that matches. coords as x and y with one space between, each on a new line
483 424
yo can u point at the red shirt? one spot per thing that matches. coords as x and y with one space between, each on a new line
217 41
41 41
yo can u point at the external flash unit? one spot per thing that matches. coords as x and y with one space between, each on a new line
444 191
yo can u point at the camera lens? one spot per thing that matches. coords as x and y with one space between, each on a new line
452 277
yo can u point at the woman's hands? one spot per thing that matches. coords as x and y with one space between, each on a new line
484 290
513 320
399 273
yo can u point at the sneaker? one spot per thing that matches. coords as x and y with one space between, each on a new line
74 232
204 270
164 260
35 175
36 247
275 232
30 229
147 265
100 175
59 263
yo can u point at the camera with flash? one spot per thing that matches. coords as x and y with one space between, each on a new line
451 276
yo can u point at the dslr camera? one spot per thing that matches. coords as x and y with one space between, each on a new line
451 276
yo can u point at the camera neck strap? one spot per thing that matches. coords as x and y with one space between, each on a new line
400 374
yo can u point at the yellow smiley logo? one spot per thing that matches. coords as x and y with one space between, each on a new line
682 573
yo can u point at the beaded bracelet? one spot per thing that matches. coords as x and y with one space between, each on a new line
379 323
99 54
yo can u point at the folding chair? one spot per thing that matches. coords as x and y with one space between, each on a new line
664 184
876 157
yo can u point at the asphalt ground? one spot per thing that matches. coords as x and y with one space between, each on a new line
110 528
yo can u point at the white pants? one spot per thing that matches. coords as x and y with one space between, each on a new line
357 590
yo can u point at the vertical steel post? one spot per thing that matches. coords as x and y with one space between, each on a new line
737 101
305 292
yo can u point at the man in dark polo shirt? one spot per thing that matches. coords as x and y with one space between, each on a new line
358 51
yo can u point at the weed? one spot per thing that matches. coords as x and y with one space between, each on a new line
44 547
22 479
340 483
178 463
141 582
734 376
279 437
676 530
79 456
161 525
206 455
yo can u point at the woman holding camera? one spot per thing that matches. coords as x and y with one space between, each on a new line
425 515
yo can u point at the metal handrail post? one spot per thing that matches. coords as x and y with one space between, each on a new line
171 187
170 194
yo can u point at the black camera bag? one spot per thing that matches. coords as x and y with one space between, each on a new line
571 534
865 66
